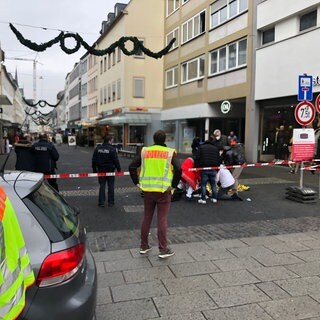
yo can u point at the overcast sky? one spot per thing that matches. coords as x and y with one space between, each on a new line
83 17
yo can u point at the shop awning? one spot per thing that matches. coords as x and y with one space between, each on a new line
129 118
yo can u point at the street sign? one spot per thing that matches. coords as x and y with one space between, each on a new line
72 141
305 88
305 113
303 144
317 103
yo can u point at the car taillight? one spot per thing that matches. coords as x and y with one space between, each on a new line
61 266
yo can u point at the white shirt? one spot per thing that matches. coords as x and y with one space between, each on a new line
225 177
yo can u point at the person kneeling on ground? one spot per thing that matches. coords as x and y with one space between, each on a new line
226 182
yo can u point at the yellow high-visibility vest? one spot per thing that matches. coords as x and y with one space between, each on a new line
16 274
156 170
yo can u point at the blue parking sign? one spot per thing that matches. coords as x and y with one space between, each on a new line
305 88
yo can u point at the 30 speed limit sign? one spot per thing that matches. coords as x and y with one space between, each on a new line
305 113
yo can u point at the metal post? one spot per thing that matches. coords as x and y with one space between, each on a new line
319 186
207 133
301 174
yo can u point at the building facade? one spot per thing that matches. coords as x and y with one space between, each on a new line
234 66
12 105
130 92
287 47
208 73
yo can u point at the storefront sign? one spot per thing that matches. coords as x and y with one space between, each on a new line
138 109
305 113
225 107
71 140
303 144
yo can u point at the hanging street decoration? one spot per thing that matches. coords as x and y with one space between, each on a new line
41 121
41 103
137 45
37 116
37 113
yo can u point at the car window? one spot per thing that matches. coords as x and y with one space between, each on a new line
56 209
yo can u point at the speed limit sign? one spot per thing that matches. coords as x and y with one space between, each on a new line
305 113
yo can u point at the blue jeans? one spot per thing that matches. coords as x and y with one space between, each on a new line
208 176
102 189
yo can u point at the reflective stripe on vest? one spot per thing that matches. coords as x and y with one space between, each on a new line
15 269
156 170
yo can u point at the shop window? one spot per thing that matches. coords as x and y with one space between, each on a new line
137 134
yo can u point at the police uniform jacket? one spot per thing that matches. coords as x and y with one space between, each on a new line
105 159
136 163
45 156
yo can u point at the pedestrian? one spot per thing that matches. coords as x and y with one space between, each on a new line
232 139
208 156
281 144
7 147
45 158
24 155
219 140
105 159
191 178
16 274
226 183
195 145
160 173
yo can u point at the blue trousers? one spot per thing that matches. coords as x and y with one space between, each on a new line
208 176
102 190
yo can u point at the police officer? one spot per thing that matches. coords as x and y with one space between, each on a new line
45 158
105 159
16 274
160 173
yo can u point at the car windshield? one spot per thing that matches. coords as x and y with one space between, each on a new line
55 208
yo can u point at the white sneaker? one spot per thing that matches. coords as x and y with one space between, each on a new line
214 200
202 201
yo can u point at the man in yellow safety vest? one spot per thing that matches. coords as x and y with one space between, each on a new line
16 274
160 173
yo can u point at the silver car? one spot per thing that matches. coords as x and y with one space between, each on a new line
66 277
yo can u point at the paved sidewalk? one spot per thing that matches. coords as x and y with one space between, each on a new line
257 276
271 277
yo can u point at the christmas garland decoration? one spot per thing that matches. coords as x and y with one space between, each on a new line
37 113
41 103
137 45
40 121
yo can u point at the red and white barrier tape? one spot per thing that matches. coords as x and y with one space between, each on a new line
122 173
84 175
